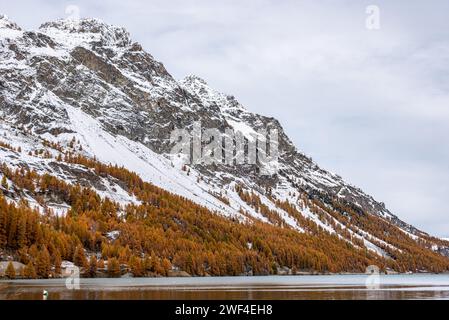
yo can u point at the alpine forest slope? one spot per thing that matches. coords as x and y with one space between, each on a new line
87 175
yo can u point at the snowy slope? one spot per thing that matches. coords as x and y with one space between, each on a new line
88 80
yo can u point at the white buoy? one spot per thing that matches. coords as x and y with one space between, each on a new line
44 294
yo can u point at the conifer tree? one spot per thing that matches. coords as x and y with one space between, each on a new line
29 272
137 267
148 264
21 232
43 263
166 266
79 258
93 266
113 268
100 264
157 267
13 222
10 271
3 221
23 255
57 260
5 183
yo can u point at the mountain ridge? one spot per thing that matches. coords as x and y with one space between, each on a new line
87 81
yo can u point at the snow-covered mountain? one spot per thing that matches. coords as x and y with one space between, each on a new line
87 87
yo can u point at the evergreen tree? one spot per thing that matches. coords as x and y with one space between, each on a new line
3 221
43 264
137 266
10 271
12 234
21 232
158 267
79 258
29 272
166 266
5 183
100 264
93 266
23 255
148 264
57 260
113 268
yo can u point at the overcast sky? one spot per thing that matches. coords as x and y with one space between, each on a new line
370 105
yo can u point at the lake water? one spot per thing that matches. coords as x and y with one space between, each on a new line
416 286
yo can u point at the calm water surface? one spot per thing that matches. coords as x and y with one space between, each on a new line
419 286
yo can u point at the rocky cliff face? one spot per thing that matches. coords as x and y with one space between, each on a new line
88 81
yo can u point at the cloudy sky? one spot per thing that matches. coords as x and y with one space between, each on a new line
370 105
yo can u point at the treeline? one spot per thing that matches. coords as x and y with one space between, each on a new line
254 201
166 232
407 254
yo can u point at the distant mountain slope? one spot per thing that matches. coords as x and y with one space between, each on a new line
84 87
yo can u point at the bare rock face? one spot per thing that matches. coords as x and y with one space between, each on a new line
97 69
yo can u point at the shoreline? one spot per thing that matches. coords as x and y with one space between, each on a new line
355 286
4 282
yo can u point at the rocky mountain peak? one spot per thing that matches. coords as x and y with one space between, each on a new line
5 23
87 30
192 79
200 87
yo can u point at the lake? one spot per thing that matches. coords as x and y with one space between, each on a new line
313 287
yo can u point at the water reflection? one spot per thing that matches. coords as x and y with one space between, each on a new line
346 287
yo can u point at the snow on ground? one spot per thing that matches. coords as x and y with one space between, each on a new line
283 214
113 235
29 144
159 170
243 128
411 235
136 157
366 235
116 193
